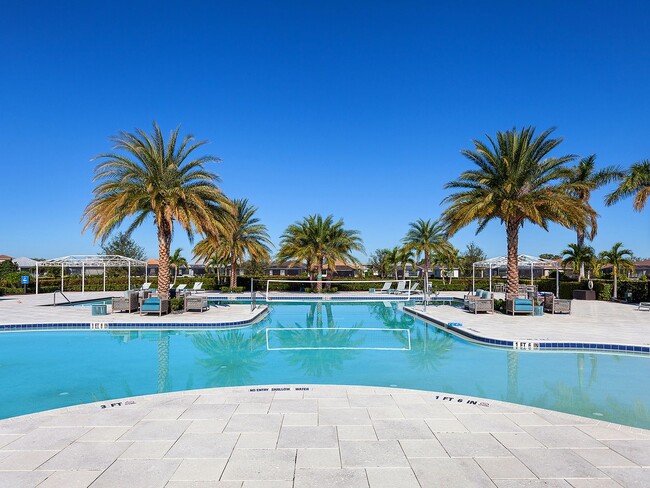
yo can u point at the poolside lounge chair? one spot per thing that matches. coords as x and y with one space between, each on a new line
151 305
644 306
198 287
196 303
145 286
481 301
519 305
412 290
401 287
556 305
386 288
128 303
180 289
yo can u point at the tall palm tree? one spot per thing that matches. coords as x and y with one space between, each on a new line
429 239
588 179
320 241
379 262
393 260
620 259
636 181
579 258
448 261
516 182
243 235
176 261
151 177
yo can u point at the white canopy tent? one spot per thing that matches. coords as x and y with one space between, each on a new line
523 261
85 261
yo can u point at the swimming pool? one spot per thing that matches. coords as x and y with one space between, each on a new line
344 343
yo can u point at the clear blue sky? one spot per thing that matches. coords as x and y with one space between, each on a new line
350 108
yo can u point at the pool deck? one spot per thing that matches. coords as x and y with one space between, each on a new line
589 321
302 436
32 309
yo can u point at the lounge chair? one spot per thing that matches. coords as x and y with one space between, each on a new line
196 303
180 289
151 305
401 287
198 287
412 290
481 301
644 306
145 286
128 303
519 305
556 305
386 288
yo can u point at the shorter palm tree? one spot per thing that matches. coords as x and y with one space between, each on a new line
428 238
176 261
635 182
579 258
620 259
320 241
243 235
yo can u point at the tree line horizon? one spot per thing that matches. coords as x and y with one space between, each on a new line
514 180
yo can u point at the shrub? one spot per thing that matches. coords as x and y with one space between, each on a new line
176 304
605 293
500 305
227 289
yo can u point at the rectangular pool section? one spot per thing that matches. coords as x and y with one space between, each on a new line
373 344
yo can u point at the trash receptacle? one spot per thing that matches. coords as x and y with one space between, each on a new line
538 310
628 296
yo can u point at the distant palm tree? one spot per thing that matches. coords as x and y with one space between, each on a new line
635 182
448 261
516 182
620 259
379 262
586 177
243 235
393 260
176 261
320 241
578 258
429 239
406 256
155 178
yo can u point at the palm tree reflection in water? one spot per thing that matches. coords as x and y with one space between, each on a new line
321 359
233 356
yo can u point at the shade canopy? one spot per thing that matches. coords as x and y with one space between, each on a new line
523 261
84 261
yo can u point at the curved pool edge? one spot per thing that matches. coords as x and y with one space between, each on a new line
260 312
530 344
278 427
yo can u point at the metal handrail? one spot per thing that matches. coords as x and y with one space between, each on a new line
62 294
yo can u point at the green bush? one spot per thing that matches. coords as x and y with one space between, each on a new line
176 304
227 289
605 292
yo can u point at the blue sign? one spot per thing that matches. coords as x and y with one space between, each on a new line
24 280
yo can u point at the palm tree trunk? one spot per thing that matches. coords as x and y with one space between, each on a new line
615 283
164 244
512 283
319 285
233 271
581 244
426 272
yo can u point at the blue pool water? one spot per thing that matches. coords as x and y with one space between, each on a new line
341 343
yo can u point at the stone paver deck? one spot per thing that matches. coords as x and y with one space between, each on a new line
317 436
589 321
33 309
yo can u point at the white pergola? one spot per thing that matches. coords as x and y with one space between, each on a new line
85 261
523 261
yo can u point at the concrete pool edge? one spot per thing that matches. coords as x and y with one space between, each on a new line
321 430
528 344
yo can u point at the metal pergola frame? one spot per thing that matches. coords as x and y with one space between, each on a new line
523 261
84 261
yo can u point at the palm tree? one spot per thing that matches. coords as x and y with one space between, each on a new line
587 180
516 182
320 241
243 235
579 257
447 262
151 177
635 182
406 256
620 259
380 262
176 261
428 238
